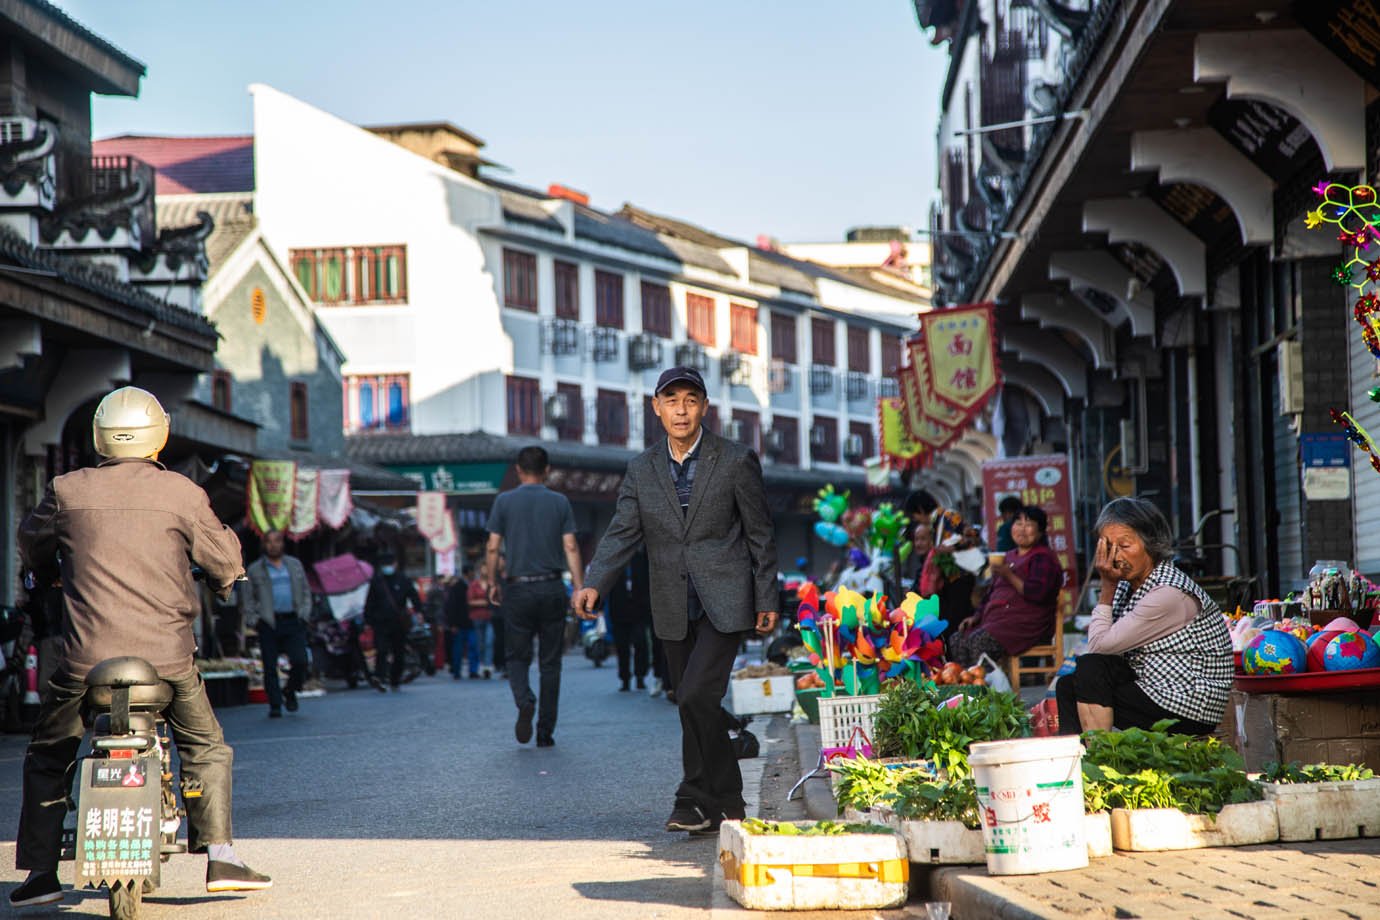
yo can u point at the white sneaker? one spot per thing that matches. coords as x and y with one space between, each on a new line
654 687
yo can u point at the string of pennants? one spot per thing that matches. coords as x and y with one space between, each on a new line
950 373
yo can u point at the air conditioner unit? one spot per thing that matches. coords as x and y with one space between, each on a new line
858 386
736 368
604 344
560 337
853 448
733 429
644 352
819 435
692 355
774 442
821 379
556 408
1290 377
779 377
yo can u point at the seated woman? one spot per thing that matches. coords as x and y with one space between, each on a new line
1021 603
1158 647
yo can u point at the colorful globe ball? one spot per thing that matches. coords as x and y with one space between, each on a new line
1275 652
1317 646
1349 651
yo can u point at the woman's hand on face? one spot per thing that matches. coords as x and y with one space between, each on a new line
1108 568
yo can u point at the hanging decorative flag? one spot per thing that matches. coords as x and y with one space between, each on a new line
927 403
304 517
334 501
271 487
899 448
877 475
445 541
961 354
431 514
930 432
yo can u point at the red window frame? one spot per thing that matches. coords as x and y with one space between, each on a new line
699 318
608 299
859 349
783 344
520 280
742 328
376 390
524 405
822 349
656 309
567 290
364 275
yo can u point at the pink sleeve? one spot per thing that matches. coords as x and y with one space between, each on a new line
1164 610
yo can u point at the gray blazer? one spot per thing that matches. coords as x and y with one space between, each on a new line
258 599
725 543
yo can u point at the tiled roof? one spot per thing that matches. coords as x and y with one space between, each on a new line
189 165
232 213
17 251
110 49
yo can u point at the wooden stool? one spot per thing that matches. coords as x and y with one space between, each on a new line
1054 651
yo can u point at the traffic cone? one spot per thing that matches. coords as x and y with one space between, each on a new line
28 710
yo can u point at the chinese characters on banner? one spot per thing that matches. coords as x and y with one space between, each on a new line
1043 482
960 351
898 447
272 484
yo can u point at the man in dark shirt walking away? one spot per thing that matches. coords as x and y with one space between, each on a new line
534 528
385 609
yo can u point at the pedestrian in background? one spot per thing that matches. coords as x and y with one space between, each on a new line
462 641
630 621
279 602
481 619
1008 508
386 611
698 503
534 528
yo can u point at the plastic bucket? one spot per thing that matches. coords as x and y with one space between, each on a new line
1030 797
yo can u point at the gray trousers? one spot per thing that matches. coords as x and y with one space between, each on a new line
53 749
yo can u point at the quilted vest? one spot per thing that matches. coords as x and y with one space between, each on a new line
1189 672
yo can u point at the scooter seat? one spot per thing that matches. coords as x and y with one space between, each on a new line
147 690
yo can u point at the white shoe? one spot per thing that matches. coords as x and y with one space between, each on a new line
654 687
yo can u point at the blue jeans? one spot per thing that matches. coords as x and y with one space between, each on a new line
484 641
462 642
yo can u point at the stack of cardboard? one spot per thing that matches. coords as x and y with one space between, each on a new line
1338 728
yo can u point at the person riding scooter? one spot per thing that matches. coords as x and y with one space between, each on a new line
123 537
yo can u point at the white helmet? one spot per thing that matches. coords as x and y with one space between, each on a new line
129 422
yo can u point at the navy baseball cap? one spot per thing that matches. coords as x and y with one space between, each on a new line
679 375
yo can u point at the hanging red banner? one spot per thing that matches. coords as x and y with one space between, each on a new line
930 432
898 446
960 347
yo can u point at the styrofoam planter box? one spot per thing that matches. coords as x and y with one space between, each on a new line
1146 829
843 871
950 843
1098 831
753 695
1326 811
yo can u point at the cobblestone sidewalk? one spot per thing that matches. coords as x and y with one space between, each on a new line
1328 880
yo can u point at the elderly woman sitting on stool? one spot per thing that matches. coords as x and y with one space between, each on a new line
1158 647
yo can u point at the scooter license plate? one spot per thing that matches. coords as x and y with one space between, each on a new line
118 820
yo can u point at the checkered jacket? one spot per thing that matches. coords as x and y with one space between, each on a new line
1188 672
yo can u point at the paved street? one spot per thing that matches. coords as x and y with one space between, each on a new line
420 804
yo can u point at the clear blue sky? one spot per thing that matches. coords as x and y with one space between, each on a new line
797 118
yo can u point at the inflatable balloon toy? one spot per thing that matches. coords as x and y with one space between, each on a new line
830 505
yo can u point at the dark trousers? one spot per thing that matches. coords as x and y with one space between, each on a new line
500 656
390 644
535 610
288 635
698 666
57 735
1107 680
630 641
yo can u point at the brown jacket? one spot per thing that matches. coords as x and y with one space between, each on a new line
128 532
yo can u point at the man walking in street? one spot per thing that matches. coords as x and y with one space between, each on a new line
279 601
698 503
459 627
385 609
534 528
630 618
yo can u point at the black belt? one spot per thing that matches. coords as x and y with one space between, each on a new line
289 613
531 579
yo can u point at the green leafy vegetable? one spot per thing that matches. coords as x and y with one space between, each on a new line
911 723
1314 773
1136 768
816 829
864 784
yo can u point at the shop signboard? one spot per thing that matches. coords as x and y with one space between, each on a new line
456 478
1042 481
1326 466
1349 28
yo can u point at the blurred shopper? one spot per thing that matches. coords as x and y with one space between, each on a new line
534 527
630 620
460 629
481 620
1008 508
279 601
939 574
386 611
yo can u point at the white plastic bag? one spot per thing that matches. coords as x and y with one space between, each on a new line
996 677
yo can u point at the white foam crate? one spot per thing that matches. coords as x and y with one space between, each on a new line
951 843
774 872
1150 829
1326 811
756 695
